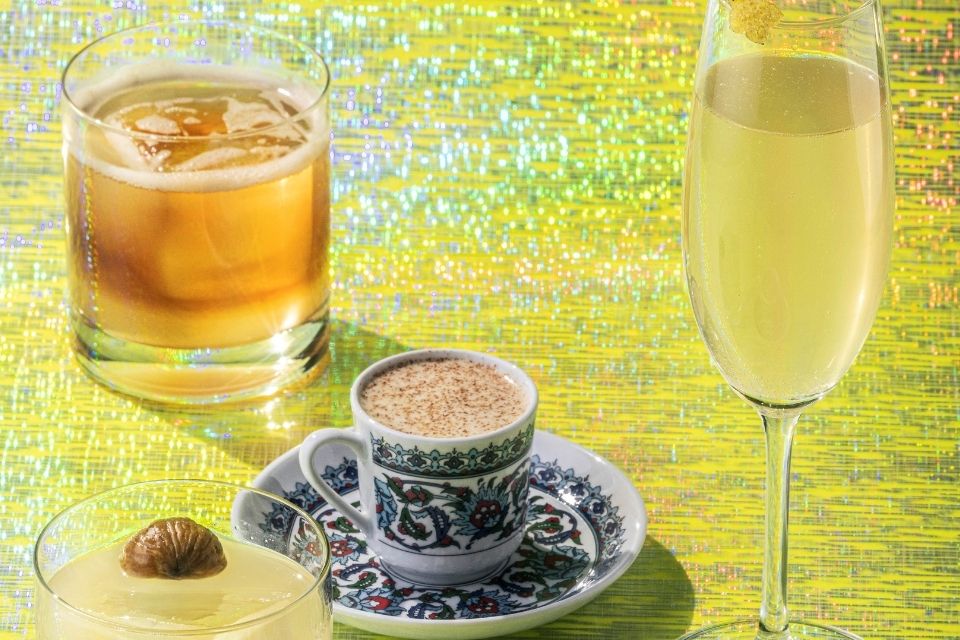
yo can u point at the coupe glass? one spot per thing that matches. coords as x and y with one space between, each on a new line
787 224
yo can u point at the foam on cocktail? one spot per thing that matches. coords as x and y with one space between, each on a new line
247 153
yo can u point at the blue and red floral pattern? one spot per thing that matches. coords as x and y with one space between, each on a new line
454 463
573 533
420 514
588 499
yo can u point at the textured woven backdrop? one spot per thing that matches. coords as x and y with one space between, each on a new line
507 178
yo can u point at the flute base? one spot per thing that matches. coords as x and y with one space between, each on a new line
750 630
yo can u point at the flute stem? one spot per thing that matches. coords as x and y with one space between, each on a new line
778 428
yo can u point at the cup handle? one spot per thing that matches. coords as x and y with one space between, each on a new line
351 439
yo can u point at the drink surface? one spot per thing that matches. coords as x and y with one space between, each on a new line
787 219
198 210
447 398
165 126
255 583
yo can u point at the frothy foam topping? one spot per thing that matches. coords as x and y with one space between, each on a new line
448 398
177 127
158 124
211 159
247 116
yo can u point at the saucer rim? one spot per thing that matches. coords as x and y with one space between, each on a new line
628 554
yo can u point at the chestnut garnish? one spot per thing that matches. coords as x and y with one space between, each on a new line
174 548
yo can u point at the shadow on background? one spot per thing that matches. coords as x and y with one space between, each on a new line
259 431
653 600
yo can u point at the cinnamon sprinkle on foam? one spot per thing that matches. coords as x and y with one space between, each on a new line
446 398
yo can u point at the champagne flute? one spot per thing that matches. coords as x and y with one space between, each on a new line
787 225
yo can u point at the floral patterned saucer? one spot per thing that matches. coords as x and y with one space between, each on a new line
585 526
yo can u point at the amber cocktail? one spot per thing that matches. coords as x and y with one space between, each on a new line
197 184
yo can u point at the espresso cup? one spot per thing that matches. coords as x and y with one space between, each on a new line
436 510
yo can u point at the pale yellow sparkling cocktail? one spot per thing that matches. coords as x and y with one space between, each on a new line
787 228
788 219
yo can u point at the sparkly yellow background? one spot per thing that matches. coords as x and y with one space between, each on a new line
507 178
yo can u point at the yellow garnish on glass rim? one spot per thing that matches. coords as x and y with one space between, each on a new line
754 18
